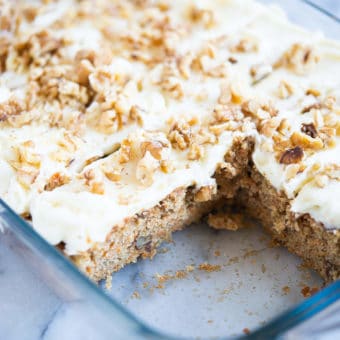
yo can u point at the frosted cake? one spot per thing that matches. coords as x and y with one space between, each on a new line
123 121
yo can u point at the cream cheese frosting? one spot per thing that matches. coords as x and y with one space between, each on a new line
105 110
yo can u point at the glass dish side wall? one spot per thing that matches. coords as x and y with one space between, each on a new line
72 286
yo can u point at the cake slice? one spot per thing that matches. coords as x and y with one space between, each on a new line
121 122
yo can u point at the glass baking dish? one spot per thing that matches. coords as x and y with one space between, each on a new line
158 300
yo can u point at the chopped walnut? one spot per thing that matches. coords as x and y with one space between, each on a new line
327 135
83 69
111 173
281 143
155 148
166 166
285 90
313 92
88 176
136 114
284 127
204 59
232 60
26 155
10 108
30 13
309 129
26 177
196 152
69 142
291 156
70 88
237 93
125 151
170 81
146 168
205 137
88 55
56 180
184 65
217 129
225 118
96 187
269 126
305 141
315 106
258 110
250 107
245 45
218 71
299 58
47 43
204 16
4 49
173 86
180 135
108 122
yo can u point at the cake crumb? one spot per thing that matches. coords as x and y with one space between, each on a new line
209 267
246 331
221 221
180 274
286 290
309 291
108 282
135 295
251 253
233 260
161 279
217 253
190 268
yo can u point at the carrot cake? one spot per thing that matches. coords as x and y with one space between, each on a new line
123 121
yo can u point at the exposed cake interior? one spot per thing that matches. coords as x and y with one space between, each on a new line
121 122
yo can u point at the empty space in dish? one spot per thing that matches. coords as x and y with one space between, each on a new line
209 283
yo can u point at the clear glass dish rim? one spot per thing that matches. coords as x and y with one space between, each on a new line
293 317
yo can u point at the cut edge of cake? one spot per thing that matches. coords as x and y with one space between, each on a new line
240 187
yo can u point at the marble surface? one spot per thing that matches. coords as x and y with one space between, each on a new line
252 283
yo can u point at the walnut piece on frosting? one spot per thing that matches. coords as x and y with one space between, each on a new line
146 168
291 156
180 135
56 180
299 58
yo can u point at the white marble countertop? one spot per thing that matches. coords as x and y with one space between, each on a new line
30 310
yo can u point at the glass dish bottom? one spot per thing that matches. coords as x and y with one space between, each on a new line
209 283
